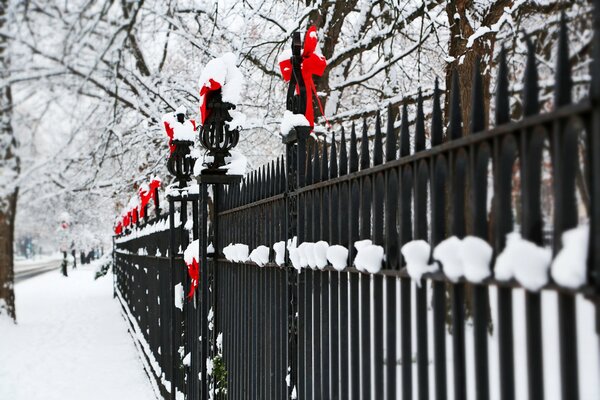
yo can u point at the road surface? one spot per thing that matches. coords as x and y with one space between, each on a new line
29 269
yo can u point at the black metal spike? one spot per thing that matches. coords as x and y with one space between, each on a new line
273 180
420 125
309 169
378 144
562 77
277 177
333 170
317 164
477 103
364 147
390 136
437 127
502 96
455 125
531 103
404 133
343 154
325 163
353 150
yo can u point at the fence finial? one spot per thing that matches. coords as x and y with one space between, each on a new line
502 99
531 105
333 171
343 154
562 76
325 162
437 127
378 144
364 147
477 103
420 125
455 125
317 164
353 150
404 133
390 136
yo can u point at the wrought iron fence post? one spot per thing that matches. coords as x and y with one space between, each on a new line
171 318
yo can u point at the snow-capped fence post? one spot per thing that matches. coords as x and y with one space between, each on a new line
181 161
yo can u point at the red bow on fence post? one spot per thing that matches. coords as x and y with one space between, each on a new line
194 273
312 64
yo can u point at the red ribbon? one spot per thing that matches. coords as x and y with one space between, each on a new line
204 90
194 273
312 64
118 228
146 196
171 131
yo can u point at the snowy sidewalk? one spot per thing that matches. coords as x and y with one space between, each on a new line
71 342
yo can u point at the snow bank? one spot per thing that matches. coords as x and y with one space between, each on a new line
416 253
369 257
569 268
260 255
338 257
525 261
290 120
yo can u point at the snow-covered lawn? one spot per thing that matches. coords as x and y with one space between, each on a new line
71 342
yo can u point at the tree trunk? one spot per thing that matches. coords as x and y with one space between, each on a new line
9 165
7 228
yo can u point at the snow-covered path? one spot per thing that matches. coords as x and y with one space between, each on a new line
71 342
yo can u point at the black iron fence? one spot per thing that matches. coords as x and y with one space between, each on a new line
275 331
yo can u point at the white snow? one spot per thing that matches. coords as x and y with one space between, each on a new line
70 342
570 265
305 252
191 252
187 360
236 164
179 296
279 248
525 261
320 254
447 252
290 120
209 366
181 131
210 248
369 257
224 71
236 252
476 255
338 257
294 253
416 253
260 255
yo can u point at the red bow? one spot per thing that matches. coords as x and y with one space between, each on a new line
146 195
118 228
312 64
194 273
204 90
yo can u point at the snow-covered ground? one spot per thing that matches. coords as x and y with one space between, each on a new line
71 342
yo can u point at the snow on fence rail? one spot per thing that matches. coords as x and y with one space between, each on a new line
351 266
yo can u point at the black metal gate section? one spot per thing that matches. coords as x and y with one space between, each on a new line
275 332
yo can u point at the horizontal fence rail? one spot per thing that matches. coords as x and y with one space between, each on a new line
266 324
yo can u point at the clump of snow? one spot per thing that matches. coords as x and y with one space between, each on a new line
570 264
291 120
260 255
224 71
320 254
369 257
294 253
338 257
238 120
279 248
447 252
294 393
236 252
525 261
476 255
179 296
192 252
229 252
181 131
305 250
416 253
209 366
210 248
187 359
236 164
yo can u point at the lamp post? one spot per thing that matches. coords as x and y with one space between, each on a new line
181 163
215 134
